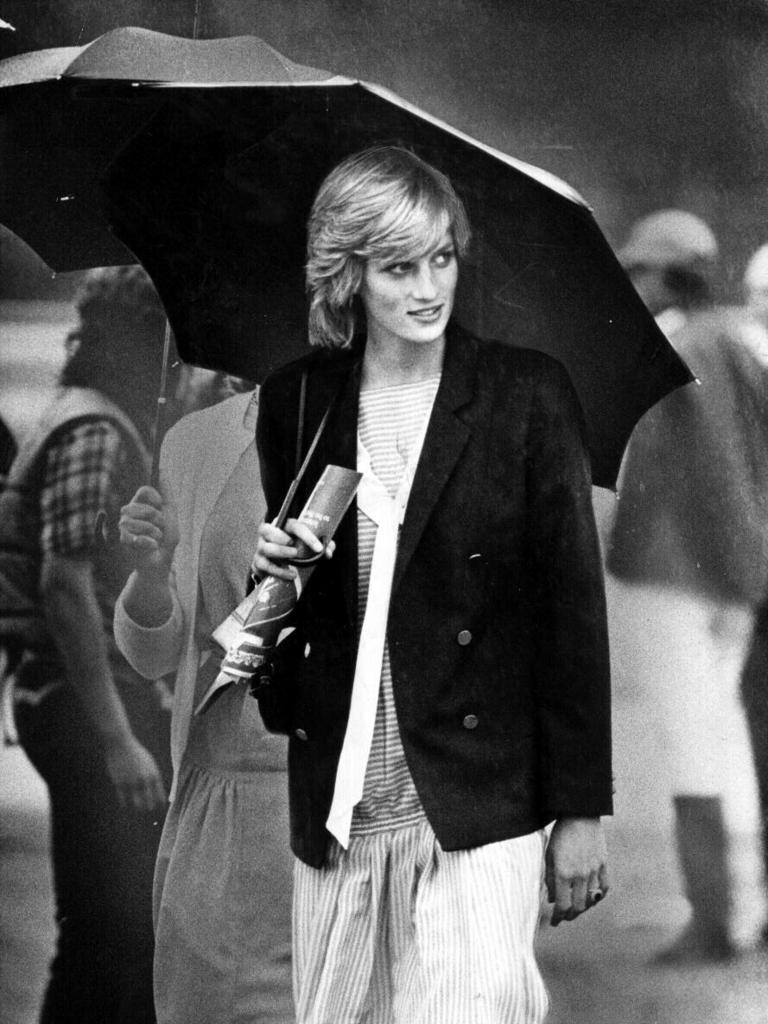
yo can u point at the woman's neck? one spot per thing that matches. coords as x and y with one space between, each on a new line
401 363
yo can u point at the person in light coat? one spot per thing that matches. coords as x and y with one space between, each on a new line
223 877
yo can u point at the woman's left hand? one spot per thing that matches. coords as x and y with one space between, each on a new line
275 548
576 867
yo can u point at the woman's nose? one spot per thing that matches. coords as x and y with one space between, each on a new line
425 285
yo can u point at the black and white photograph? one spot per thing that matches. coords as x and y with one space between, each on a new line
383 512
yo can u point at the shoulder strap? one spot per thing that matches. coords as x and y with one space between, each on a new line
301 468
300 426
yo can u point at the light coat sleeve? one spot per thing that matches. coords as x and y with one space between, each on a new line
151 651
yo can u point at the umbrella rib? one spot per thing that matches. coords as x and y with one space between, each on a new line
196 19
336 81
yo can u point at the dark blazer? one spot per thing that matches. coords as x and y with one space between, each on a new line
497 627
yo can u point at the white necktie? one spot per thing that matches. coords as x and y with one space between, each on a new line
388 513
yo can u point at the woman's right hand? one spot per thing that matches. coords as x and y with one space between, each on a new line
275 547
149 530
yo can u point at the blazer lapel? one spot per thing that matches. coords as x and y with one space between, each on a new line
445 440
446 437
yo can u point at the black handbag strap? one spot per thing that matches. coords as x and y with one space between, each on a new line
300 426
282 515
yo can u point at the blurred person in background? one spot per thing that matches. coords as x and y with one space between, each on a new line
7 450
690 547
756 285
94 731
754 680
669 256
224 877
198 388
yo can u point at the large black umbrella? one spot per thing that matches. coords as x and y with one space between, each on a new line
209 154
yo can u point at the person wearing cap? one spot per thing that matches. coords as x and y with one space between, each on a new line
669 257
688 558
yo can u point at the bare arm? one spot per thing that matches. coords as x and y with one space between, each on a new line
74 620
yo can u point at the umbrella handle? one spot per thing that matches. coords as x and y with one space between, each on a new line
103 530
160 413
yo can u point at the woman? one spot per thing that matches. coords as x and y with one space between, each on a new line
222 883
447 681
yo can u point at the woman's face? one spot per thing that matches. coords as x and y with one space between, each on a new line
411 301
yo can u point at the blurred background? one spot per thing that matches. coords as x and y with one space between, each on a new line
639 106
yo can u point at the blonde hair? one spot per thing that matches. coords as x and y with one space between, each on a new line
383 203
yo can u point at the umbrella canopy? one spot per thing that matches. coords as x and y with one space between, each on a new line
209 154
66 112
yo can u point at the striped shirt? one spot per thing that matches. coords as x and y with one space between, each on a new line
390 423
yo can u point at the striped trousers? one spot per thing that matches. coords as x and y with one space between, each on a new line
397 931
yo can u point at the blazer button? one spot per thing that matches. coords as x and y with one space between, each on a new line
300 734
470 721
464 637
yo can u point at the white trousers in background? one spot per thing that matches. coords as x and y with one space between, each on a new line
680 727
397 931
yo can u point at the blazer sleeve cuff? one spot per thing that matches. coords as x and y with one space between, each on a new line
594 801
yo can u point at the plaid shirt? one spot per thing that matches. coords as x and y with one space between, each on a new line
90 468
82 476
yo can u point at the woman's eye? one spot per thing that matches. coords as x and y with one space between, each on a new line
400 269
444 258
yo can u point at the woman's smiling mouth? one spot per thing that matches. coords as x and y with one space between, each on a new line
428 315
